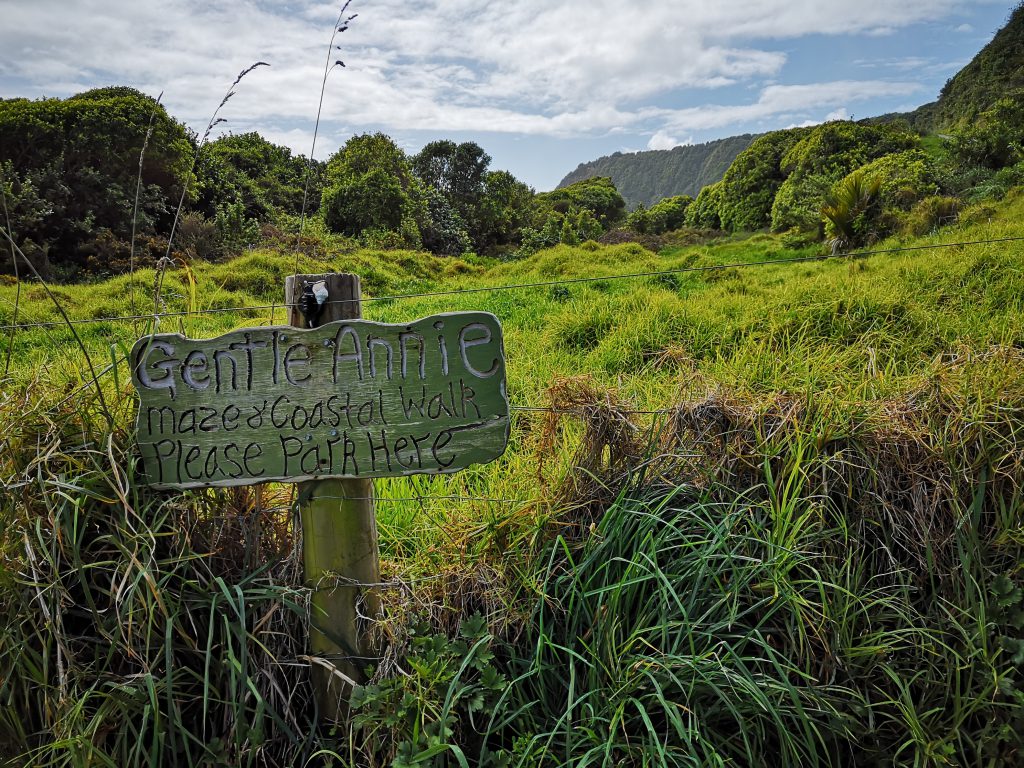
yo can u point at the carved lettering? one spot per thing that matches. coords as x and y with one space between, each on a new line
347 399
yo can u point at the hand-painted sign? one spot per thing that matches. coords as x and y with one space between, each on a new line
352 398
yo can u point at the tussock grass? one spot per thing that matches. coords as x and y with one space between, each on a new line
812 558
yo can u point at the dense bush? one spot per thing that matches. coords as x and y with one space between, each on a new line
836 148
597 195
703 213
821 158
263 177
904 178
370 187
664 216
73 165
751 182
995 139
872 201
798 202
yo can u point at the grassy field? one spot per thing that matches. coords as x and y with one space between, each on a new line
813 558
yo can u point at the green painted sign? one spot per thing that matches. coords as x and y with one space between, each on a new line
352 398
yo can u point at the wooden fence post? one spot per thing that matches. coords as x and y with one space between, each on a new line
339 533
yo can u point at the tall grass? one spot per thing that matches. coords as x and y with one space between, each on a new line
814 558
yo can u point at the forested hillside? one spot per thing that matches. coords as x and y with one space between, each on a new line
646 177
855 183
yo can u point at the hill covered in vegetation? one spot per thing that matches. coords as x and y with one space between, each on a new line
995 73
854 183
647 177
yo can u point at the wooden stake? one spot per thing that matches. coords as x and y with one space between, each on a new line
339 536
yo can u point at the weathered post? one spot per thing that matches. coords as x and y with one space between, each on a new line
328 402
339 528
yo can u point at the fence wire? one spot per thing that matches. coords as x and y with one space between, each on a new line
510 287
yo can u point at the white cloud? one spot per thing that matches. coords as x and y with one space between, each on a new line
777 100
835 114
965 28
662 140
535 67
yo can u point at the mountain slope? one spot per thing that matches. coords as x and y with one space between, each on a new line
646 177
996 71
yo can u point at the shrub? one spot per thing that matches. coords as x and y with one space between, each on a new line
836 148
930 214
445 231
704 212
751 182
235 230
996 138
597 195
798 204
904 178
370 186
664 216
849 209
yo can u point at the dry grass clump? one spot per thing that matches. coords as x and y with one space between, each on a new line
902 468
607 449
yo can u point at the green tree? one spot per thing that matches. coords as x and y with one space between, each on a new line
445 231
664 216
752 181
639 220
81 156
265 177
836 148
798 202
370 186
598 195
505 210
456 171
704 213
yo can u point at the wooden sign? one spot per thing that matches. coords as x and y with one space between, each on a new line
352 398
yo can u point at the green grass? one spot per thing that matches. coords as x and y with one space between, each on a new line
814 559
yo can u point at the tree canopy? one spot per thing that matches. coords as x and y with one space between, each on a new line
75 162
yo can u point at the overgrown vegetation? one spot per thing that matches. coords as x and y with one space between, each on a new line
813 558
753 513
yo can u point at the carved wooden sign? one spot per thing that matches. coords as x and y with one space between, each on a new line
352 398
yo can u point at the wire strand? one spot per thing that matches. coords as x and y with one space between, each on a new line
518 286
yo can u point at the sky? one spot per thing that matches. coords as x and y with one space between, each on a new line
541 85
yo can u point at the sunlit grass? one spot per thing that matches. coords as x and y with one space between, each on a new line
813 559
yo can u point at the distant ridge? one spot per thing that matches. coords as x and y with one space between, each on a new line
647 177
